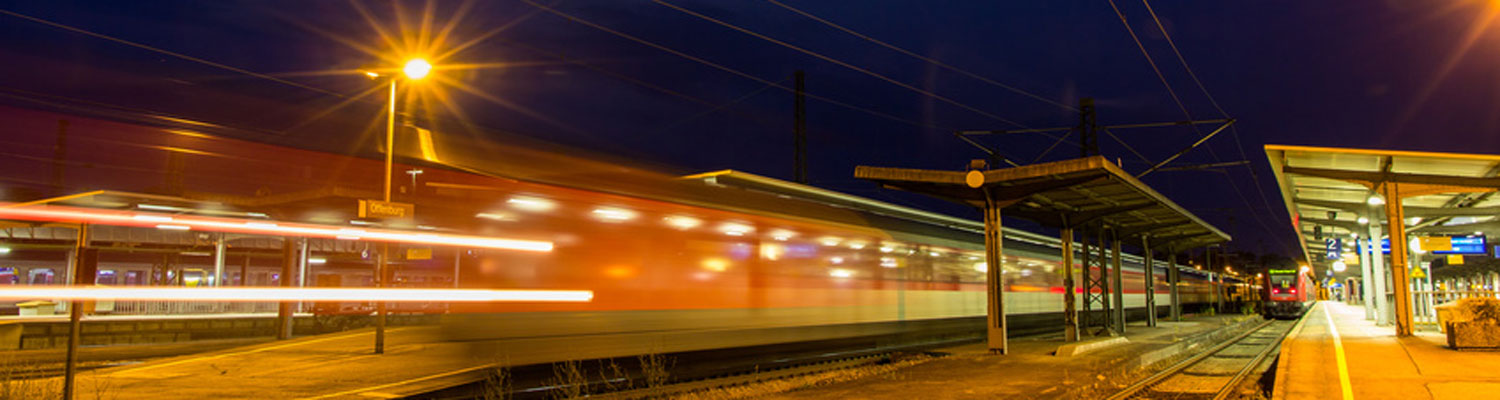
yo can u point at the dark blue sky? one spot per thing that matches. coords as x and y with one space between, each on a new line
1384 74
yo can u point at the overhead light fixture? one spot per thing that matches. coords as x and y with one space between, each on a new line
1363 221
4 250
317 260
611 214
682 222
171 227
1374 200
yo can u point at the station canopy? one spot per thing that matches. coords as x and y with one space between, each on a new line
1063 194
1328 190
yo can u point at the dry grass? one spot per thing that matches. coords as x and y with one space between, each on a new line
497 384
766 388
15 381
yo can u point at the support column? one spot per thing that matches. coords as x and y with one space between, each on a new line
458 255
1176 312
382 265
1365 275
1375 283
1117 287
219 260
1396 216
1149 271
995 321
84 267
302 267
284 309
1086 275
1106 314
1070 310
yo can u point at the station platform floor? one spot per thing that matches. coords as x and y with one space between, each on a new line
1031 371
1335 353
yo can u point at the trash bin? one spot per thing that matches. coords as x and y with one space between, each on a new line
37 307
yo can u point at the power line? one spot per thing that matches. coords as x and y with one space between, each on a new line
717 66
839 63
1180 105
1233 130
921 57
167 52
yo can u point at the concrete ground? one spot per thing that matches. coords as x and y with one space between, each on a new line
1378 364
1030 371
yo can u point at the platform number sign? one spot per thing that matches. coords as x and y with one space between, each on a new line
1335 248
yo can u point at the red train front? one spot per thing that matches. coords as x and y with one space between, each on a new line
1286 293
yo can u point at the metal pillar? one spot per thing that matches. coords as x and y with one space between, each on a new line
1070 310
1106 319
219 260
284 309
458 255
995 326
1377 281
1176 312
1396 216
1118 290
1149 272
382 265
85 265
1365 275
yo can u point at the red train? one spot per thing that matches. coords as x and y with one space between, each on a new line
721 252
1287 293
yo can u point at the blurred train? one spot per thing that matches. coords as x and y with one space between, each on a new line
1287 293
726 253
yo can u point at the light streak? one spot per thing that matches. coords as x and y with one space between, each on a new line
236 294
261 227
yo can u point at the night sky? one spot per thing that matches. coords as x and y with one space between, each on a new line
1419 75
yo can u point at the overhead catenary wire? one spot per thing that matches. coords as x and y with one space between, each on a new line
1181 106
929 60
720 67
167 52
841 63
1233 130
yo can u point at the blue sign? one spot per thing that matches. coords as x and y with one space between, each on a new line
1335 248
1471 244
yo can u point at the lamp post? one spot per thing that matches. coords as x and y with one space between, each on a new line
414 70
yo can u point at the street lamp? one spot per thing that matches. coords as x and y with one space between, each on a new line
415 69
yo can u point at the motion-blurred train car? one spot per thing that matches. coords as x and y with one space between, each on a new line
724 253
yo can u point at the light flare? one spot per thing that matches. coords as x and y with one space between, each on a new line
236 294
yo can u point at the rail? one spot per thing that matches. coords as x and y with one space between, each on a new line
1264 338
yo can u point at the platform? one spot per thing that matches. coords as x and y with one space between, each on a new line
1031 371
1375 363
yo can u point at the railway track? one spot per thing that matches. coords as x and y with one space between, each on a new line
1214 373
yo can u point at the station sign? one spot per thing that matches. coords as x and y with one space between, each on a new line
1335 248
386 209
1469 244
419 253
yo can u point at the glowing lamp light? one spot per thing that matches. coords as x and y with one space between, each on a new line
716 264
682 222
1338 266
841 273
160 293
889 262
831 241
887 249
982 266
857 245
317 260
733 229
782 235
611 214
836 260
534 204
1363 220
1374 200
4 250
173 227
417 69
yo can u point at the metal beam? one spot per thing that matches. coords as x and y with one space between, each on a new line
993 256
1373 178
1400 281
1070 309
1200 141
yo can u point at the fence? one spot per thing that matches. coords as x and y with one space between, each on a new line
1423 302
152 307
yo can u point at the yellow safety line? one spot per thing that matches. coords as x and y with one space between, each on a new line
388 385
1338 352
255 350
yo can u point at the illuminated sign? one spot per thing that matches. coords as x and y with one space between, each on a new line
1471 244
1281 271
386 209
1335 248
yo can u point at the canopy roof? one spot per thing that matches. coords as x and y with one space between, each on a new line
1444 192
1067 193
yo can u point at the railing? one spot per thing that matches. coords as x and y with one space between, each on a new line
149 307
1424 301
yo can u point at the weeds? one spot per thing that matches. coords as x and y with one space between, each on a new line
614 377
568 380
656 369
16 381
497 384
